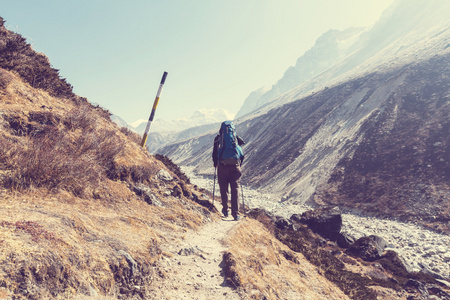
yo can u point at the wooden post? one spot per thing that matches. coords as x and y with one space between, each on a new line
155 105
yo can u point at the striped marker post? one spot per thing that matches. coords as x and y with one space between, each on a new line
152 115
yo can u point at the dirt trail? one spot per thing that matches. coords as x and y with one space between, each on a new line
195 271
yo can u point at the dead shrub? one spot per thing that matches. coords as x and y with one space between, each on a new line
5 77
81 118
102 146
46 162
173 167
142 174
5 151
49 156
133 136
44 118
74 151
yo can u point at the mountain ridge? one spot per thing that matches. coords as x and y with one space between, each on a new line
299 141
421 24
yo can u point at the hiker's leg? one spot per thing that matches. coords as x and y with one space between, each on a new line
234 185
222 178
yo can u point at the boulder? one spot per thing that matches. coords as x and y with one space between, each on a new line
296 218
427 270
164 175
344 240
369 248
398 262
259 213
412 285
283 223
325 221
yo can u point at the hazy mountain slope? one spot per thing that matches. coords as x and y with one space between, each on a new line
381 126
401 164
330 47
407 31
157 140
396 81
198 118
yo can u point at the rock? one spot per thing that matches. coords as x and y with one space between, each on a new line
230 272
145 192
190 251
164 175
283 223
325 221
296 218
204 203
419 286
437 290
345 240
381 243
433 274
396 261
176 191
131 262
261 215
444 282
368 248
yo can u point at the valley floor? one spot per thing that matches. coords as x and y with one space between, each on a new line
420 247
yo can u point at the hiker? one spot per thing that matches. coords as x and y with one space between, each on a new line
228 157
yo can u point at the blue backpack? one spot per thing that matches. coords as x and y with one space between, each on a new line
229 151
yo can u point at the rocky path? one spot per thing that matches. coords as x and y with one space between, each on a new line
193 268
421 248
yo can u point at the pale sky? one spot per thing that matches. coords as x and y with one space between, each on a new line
216 52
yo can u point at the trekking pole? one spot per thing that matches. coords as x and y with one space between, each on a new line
152 115
214 186
243 204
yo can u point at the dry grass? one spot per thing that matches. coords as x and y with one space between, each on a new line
64 144
66 246
67 205
264 268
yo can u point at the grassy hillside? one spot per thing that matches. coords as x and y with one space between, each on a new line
84 208
72 207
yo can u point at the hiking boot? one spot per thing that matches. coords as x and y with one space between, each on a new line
237 217
225 212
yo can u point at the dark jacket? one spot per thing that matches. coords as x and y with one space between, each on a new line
215 154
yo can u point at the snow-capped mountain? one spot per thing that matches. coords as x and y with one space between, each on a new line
198 118
163 132
368 132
